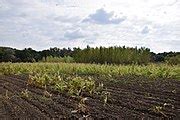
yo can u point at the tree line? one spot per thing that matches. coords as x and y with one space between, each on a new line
110 55
113 55
29 55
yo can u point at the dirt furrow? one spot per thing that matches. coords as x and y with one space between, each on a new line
133 97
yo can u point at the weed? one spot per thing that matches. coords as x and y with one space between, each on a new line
158 109
25 94
105 96
47 94
6 95
100 88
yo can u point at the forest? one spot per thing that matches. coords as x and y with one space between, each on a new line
102 55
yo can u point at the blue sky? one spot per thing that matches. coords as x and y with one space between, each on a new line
42 24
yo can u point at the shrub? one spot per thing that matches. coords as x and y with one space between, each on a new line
175 60
51 59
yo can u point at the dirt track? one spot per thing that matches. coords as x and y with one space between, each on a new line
129 98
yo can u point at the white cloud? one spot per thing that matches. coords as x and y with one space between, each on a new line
103 17
46 23
67 19
74 34
145 30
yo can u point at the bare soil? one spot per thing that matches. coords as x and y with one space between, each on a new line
128 97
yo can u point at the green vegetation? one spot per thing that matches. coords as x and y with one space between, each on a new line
75 78
51 59
116 55
102 55
174 60
25 93
55 69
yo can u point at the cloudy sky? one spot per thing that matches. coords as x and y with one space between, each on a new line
42 24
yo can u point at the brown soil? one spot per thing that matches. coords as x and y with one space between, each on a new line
129 97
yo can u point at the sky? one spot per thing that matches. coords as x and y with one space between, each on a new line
41 24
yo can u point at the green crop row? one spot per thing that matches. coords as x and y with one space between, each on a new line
65 77
151 70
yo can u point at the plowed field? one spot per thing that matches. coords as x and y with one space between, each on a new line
128 97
